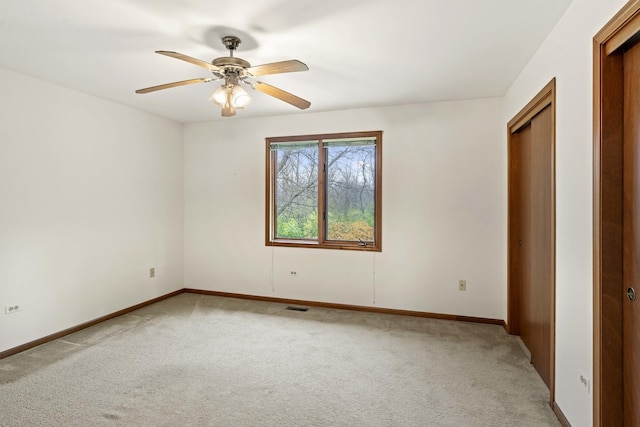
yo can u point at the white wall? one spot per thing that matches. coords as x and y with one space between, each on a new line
567 55
91 197
444 204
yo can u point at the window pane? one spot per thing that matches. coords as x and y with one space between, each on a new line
296 190
351 192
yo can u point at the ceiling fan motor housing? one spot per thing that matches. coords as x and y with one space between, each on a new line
231 66
229 61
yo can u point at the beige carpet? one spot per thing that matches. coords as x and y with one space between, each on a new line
197 360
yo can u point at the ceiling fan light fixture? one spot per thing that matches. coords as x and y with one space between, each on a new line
232 95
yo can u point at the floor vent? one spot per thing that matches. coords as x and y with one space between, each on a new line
297 308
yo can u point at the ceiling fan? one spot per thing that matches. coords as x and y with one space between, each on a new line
231 96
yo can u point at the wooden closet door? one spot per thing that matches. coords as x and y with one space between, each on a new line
535 240
631 239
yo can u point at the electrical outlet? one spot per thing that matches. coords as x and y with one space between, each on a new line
462 285
293 273
152 272
585 382
10 309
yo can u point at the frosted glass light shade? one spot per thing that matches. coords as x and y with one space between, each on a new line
239 98
219 97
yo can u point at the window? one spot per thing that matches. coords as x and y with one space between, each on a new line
324 191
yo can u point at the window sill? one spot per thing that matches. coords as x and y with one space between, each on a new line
317 245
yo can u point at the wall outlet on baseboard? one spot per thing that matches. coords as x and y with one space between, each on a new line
13 308
293 273
152 272
462 285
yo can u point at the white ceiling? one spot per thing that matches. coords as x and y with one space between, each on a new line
360 52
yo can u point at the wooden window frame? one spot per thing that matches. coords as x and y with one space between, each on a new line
322 242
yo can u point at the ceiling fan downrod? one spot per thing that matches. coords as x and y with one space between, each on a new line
230 64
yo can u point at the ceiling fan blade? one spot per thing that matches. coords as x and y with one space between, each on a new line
174 84
282 95
278 67
189 59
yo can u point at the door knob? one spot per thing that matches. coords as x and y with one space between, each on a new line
631 294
